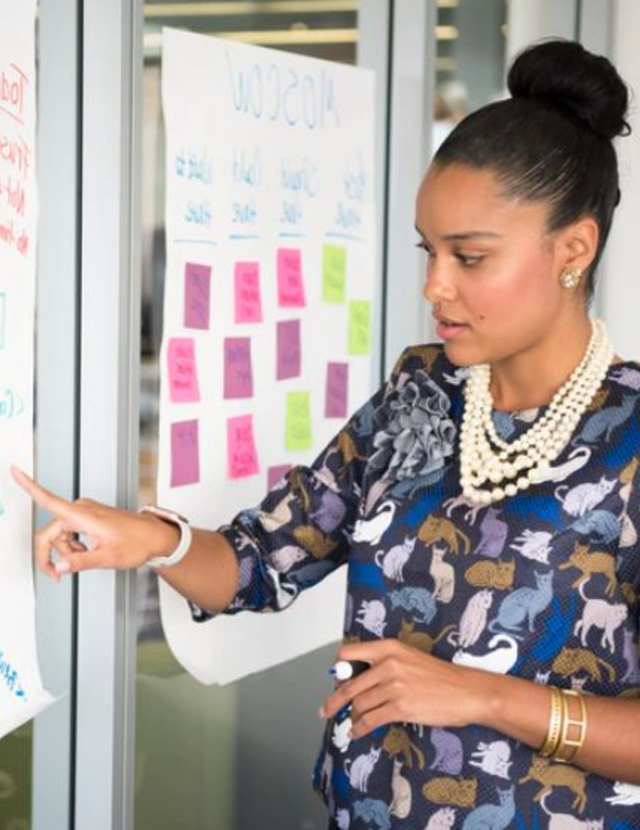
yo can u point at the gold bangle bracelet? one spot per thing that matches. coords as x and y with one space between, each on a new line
574 745
554 730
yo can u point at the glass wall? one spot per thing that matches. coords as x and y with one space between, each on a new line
219 757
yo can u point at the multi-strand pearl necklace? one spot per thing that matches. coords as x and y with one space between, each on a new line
486 459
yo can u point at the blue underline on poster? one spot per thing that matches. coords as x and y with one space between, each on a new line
211 242
244 236
290 235
339 235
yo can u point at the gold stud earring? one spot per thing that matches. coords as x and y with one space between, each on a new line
571 277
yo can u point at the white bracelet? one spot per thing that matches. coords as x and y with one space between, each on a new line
185 536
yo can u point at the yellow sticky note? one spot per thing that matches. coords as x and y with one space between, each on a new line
360 327
334 273
298 422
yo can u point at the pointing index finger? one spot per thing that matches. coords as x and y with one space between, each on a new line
41 496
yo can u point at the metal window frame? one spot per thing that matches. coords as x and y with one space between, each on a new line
57 347
109 378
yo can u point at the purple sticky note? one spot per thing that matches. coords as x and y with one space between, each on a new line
288 349
183 373
197 288
275 474
290 284
335 405
238 375
242 456
185 453
247 292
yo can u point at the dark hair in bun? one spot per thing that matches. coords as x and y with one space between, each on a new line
552 140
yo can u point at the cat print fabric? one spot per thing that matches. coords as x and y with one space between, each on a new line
543 585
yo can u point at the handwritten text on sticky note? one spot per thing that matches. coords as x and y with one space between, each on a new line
290 283
337 390
183 374
185 453
334 273
360 327
242 455
298 434
288 349
197 288
238 373
247 292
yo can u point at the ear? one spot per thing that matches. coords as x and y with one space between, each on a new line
578 243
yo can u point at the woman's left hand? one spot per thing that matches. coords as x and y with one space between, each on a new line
407 685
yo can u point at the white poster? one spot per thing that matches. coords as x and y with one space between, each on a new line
268 306
21 693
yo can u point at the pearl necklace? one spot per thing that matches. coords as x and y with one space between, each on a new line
486 458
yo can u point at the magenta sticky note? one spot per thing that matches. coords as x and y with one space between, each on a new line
197 291
290 282
288 349
183 373
185 453
241 449
238 374
276 474
337 389
247 292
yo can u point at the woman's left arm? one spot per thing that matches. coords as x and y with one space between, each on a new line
405 684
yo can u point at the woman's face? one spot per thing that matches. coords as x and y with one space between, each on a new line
492 267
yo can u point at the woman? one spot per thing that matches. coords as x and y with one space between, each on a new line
484 501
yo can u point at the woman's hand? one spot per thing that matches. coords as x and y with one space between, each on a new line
406 685
116 538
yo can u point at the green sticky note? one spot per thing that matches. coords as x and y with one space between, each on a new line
298 422
360 327
334 273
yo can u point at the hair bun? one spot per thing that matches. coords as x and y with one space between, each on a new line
566 75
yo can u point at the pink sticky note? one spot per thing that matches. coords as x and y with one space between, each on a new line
197 288
238 375
275 474
183 373
288 349
241 449
185 453
247 291
290 284
335 405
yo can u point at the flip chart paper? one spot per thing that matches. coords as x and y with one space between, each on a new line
183 372
247 292
288 346
265 189
197 289
22 695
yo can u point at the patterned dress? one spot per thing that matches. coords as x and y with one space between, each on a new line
543 585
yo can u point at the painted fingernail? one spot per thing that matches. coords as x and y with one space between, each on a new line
321 712
62 567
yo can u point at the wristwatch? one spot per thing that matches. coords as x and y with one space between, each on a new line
184 544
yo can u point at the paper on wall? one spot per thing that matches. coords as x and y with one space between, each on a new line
22 695
268 306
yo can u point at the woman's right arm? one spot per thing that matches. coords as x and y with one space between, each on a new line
208 574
